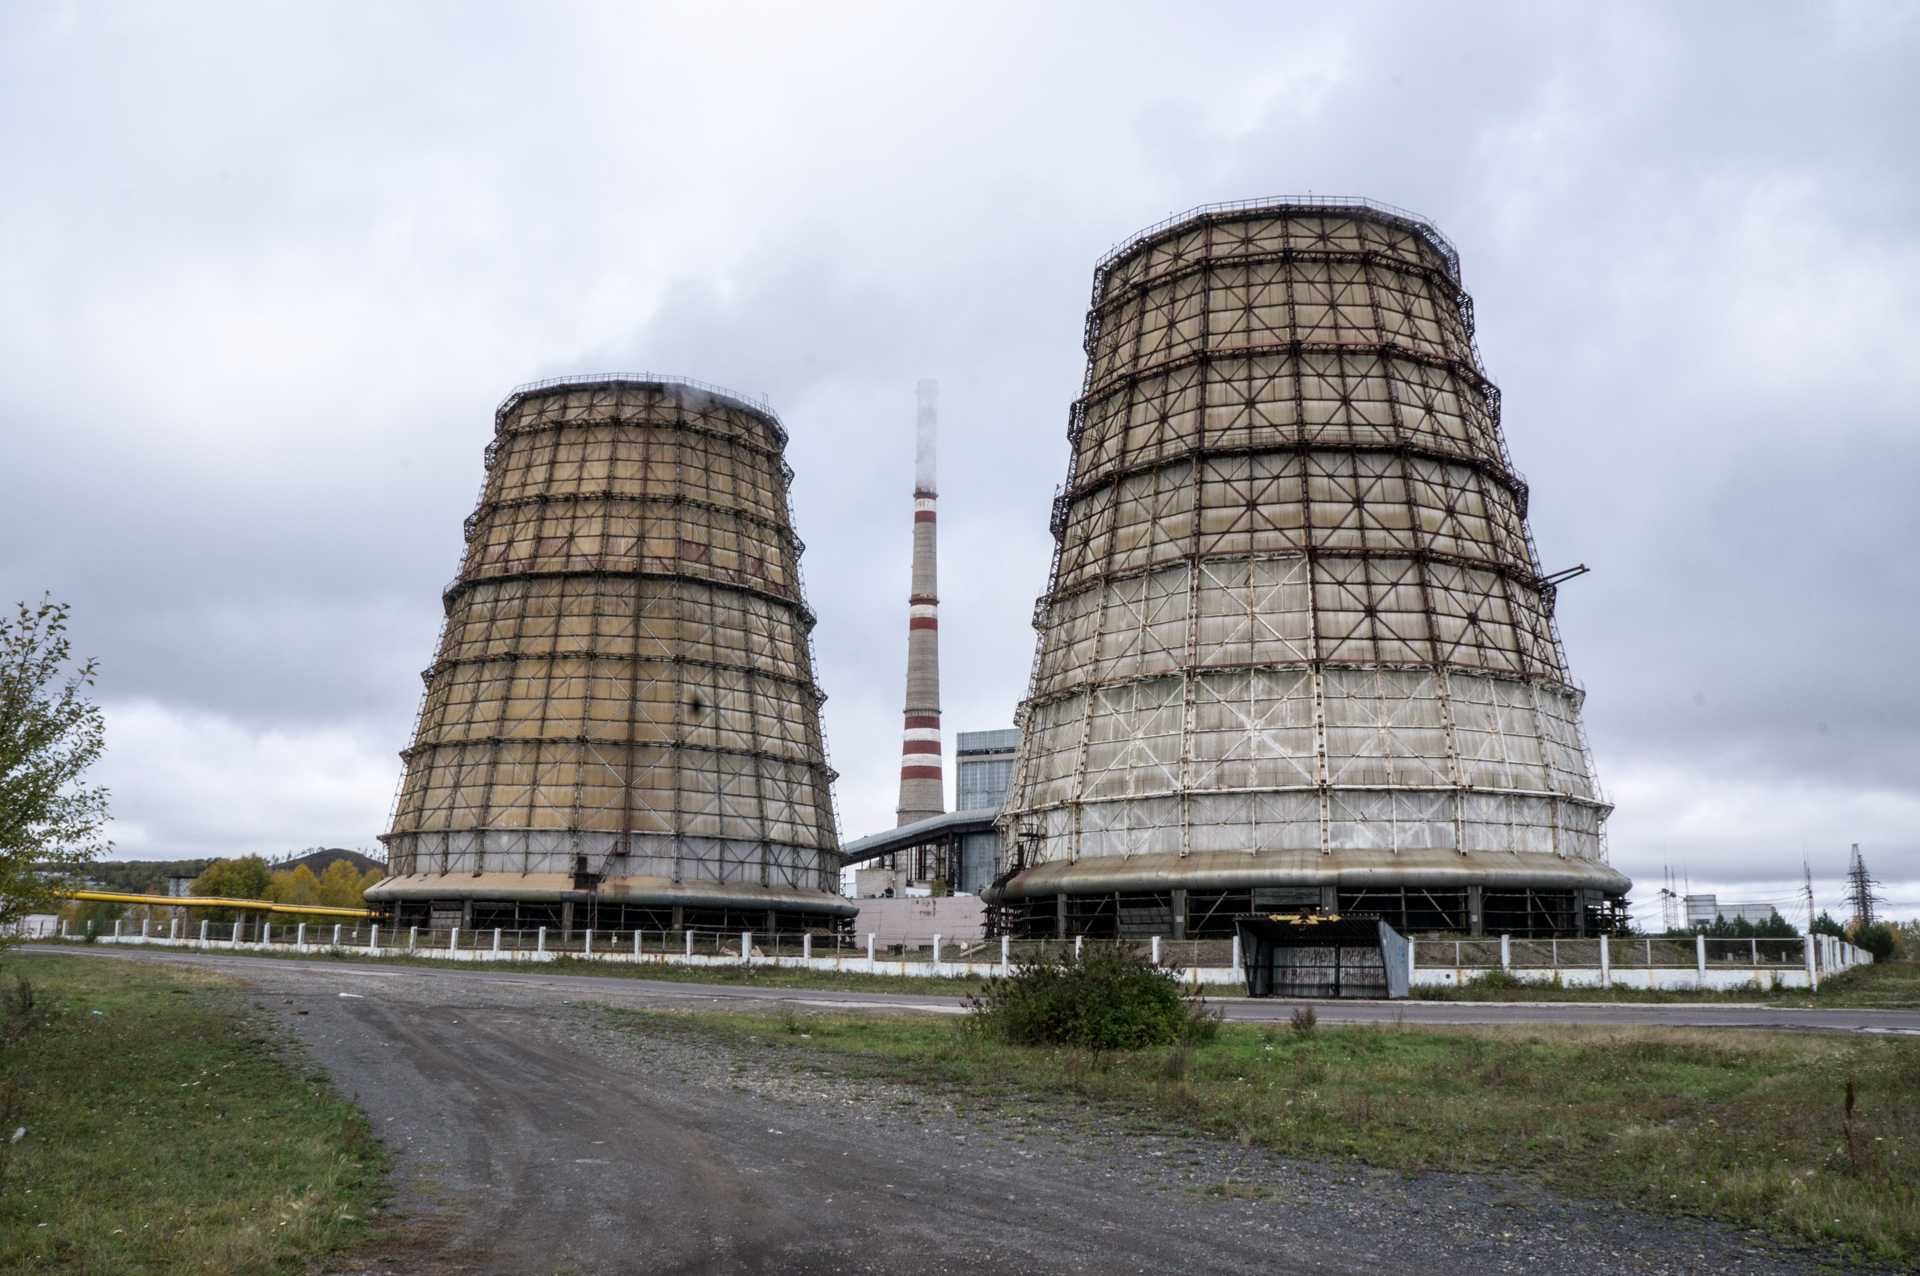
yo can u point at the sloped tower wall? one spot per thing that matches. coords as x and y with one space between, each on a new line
622 716
1296 649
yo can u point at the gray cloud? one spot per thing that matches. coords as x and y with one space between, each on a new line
271 268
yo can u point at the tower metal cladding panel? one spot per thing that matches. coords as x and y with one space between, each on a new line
1295 631
623 702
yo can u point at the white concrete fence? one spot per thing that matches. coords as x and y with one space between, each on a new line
1695 963
1692 963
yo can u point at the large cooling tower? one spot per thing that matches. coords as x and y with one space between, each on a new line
1296 650
621 728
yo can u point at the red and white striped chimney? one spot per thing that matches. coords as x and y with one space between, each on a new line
922 792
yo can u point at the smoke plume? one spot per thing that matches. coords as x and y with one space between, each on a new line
923 456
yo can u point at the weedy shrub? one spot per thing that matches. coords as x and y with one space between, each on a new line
1107 998
1304 1021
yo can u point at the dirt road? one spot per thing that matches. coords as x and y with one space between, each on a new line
538 1132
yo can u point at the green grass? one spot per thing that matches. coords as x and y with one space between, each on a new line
165 1130
1745 1127
1885 985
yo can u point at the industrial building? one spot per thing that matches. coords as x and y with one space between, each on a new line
958 849
621 727
1296 650
933 849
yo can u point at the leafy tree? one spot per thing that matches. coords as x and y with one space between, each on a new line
1825 925
245 878
143 877
294 886
343 886
1775 927
50 824
1876 939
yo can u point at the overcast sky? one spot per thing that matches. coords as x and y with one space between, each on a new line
267 269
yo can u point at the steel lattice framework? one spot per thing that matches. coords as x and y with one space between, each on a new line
623 709
1296 633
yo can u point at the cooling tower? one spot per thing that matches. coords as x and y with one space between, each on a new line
621 728
1296 649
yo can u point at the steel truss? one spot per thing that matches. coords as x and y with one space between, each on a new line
1294 603
623 692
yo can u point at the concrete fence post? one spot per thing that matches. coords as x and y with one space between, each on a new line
1813 975
587 949
63 928
871 968
373 940
173 931
1236 950
1077 941
336 934
1410 964
689 945
413 938
146 927
1156 950
1006 954
936 956
203 932
636 943
1506 953
453 942
233 941
116 928
1700 957
540 944
1606 964
806 947
746 947
300 936
496 939
266 933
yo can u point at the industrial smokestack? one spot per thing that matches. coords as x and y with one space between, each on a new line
922 794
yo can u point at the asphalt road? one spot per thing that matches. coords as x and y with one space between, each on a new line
537 1131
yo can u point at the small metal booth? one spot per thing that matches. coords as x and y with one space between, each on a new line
1322 955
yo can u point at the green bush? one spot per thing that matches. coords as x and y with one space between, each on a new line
1109 998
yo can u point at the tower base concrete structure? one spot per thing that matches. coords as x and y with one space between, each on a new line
1296 650
621 728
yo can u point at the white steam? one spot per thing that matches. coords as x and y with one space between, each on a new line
923 451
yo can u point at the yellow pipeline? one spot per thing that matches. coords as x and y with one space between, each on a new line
220 901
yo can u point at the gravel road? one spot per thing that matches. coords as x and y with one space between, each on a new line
536 1131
